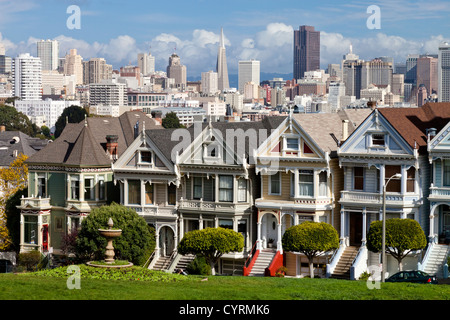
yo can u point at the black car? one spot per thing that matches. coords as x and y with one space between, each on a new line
412 276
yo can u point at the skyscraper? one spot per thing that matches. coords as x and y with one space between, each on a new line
73 65
48 52
444 73
248 71
221 68
306 51
177 71
27 77
146 62
427 73
95 70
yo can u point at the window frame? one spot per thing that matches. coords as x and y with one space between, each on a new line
271 184
305 173
226 189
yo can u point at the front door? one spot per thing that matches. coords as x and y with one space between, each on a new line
45 237
166 241
355 229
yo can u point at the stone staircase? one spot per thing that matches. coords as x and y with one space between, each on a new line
436 260
184 261
162 263
262 262
342 270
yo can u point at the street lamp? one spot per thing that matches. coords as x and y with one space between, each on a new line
383 240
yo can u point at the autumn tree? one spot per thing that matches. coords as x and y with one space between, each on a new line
12 179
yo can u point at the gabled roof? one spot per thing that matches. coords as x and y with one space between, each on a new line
163 138
322 126
84 143
412 123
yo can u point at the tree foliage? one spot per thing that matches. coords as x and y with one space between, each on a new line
171 121
12 180
311 239
402 237
72 114
211 243
16 121
135 244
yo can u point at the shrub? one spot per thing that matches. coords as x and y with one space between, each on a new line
199 266
281 272
135 244
30 260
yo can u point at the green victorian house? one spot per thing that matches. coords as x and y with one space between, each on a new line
73 175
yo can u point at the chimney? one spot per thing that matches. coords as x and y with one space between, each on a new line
112 145
431 133
344 130
157 115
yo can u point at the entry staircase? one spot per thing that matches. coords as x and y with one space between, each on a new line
342 269
437 258
172 262
263 261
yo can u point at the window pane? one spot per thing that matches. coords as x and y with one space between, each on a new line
378 139
394 184
292 143
242 190
358 178
134 191
148 193
101 188
74 188
146 156
31 229
89 188
198 193
41 186
323 184
446 173
275 183
171 194
306 183
226 188
411 176
226 223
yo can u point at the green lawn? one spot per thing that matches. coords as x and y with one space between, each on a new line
161 286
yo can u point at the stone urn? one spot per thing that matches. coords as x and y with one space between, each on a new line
110 234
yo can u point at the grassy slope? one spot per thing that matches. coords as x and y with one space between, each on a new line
32 287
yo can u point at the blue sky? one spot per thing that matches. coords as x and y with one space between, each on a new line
263 30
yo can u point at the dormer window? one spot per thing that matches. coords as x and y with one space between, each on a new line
378 140
146 157
292 144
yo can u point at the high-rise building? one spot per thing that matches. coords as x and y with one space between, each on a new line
427 69
248 71
444 73
5 64
73 65
107 93
27 77
306 50
398 85
95 70
146 63
177 71
221 68
48 52
210 82
421 95
411 68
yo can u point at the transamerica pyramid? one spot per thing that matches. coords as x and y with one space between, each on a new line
221 67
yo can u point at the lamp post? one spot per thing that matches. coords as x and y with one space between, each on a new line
383 239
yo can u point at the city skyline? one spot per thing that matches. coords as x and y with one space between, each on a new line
262 32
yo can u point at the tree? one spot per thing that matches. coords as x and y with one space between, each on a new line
72 114
135 244
12 180
311 239
402 237
16 121
211 243
171 121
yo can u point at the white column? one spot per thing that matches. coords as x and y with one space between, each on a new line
39 232
216 190
364 225
403 180
258 234
296 191
200 221
342 223
125 192
279 243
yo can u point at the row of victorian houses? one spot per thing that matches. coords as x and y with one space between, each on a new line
257 178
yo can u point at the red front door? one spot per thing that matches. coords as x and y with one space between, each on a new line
45 237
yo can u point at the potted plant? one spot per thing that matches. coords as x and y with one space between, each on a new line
270 243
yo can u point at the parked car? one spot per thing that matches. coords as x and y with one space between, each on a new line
412 276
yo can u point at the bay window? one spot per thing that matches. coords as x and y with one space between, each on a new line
89 190
446 178
149 193
31 229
